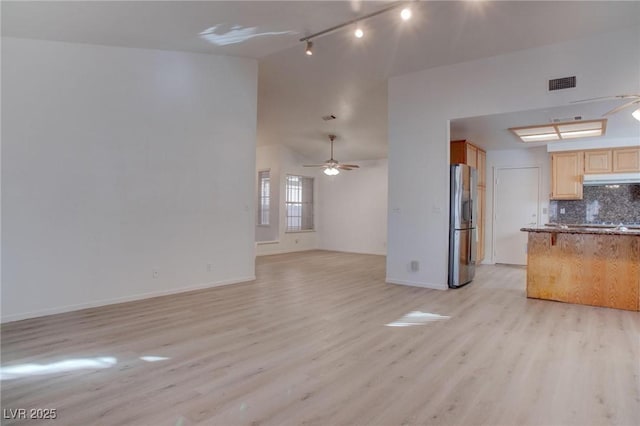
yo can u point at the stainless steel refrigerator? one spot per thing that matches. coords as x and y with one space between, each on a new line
462 225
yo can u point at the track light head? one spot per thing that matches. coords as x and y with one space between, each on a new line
405 14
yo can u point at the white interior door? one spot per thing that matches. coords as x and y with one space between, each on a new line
516 193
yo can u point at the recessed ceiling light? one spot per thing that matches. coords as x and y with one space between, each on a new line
358 32
405 14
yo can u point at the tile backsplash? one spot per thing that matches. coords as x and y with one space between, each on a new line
600 204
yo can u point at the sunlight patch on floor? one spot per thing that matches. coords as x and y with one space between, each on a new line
153 358
417 318
23 370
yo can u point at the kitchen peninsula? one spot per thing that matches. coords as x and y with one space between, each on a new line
595 266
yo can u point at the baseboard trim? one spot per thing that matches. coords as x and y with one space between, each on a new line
114 301
355 252
418 284
284 252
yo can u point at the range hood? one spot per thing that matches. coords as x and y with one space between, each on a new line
611 178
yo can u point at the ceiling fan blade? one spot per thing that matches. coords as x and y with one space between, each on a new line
621 107
315 165
352 166
600 98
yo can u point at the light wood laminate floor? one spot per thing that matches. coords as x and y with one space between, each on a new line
306 343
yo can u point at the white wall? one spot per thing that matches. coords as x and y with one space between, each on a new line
421 103
532 157
283 161
120 161
353 212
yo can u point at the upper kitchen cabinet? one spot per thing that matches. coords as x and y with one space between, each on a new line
472 155
465 152
616 160
566 175
626 160
597 161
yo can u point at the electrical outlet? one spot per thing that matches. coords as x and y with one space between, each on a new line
415 266
296 241
155 273
209 267
562 211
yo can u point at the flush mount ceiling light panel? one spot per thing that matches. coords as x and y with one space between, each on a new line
405 15
561 131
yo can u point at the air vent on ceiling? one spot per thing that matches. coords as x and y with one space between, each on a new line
562 120
328 117
562 83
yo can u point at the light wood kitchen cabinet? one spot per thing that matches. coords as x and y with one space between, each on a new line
481 228
626 160
598 161
482 168
464 152
566 175
472 156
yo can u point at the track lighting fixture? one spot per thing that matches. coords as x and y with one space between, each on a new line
405 14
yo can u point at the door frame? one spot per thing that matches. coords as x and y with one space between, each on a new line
494 197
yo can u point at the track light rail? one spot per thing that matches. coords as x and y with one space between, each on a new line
353 21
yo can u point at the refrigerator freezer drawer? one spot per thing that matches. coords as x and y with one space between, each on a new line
462 257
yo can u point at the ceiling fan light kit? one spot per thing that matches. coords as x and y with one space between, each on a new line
331 166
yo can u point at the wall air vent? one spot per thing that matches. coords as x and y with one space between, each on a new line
562 83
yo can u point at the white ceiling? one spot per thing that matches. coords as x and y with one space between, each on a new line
491 131
345 76
175 25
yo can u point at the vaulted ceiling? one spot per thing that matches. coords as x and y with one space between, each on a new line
345 76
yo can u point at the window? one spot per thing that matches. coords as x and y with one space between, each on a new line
264 196
299 203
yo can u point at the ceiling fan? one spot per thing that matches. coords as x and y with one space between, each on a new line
632 100
331 166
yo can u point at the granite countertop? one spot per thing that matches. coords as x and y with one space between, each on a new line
587 229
